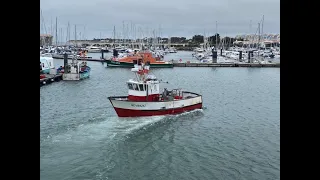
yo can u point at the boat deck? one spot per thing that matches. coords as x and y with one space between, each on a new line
185 95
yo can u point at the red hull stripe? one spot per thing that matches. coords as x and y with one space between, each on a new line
137 113
153 97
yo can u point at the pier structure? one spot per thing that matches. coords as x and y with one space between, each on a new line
188 63
226 65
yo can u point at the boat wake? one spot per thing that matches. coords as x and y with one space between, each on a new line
144 124
118 128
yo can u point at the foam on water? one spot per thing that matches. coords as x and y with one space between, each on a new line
112 127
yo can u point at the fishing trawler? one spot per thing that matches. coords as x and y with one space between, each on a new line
127 61
144 97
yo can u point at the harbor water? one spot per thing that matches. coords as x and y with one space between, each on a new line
236 135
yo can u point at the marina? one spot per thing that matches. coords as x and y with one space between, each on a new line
159 90
198 64
176 62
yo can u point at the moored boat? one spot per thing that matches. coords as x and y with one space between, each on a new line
127 61
46 62
74 70
144 97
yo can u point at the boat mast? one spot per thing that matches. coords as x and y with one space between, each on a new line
56 31
216 34
51 27
262 25
131 35
114 36
60 36
84 33
43 26
67 35
75 34
159 39
122 32
153 39
259 36
250 26
69 32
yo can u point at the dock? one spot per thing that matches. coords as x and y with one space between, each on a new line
197 64
91 59
85 59
50 78
225 65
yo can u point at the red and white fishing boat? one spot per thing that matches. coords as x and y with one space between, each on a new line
144 97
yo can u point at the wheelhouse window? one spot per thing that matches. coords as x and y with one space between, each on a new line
141 87
135 87
130 86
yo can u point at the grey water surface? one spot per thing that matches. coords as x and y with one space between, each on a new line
236 135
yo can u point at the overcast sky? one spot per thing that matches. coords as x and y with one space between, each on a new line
175 17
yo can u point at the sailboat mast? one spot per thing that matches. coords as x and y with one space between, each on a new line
159 39
56 31
114 36
67 35
51 27
259 36
69 32
60 36
84 30
216 34
262 25
131 35
122 32
75 34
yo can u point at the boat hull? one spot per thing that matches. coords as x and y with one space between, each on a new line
125 108
94 50
46 64
111 63
84 75
139 113
46 71
76 76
